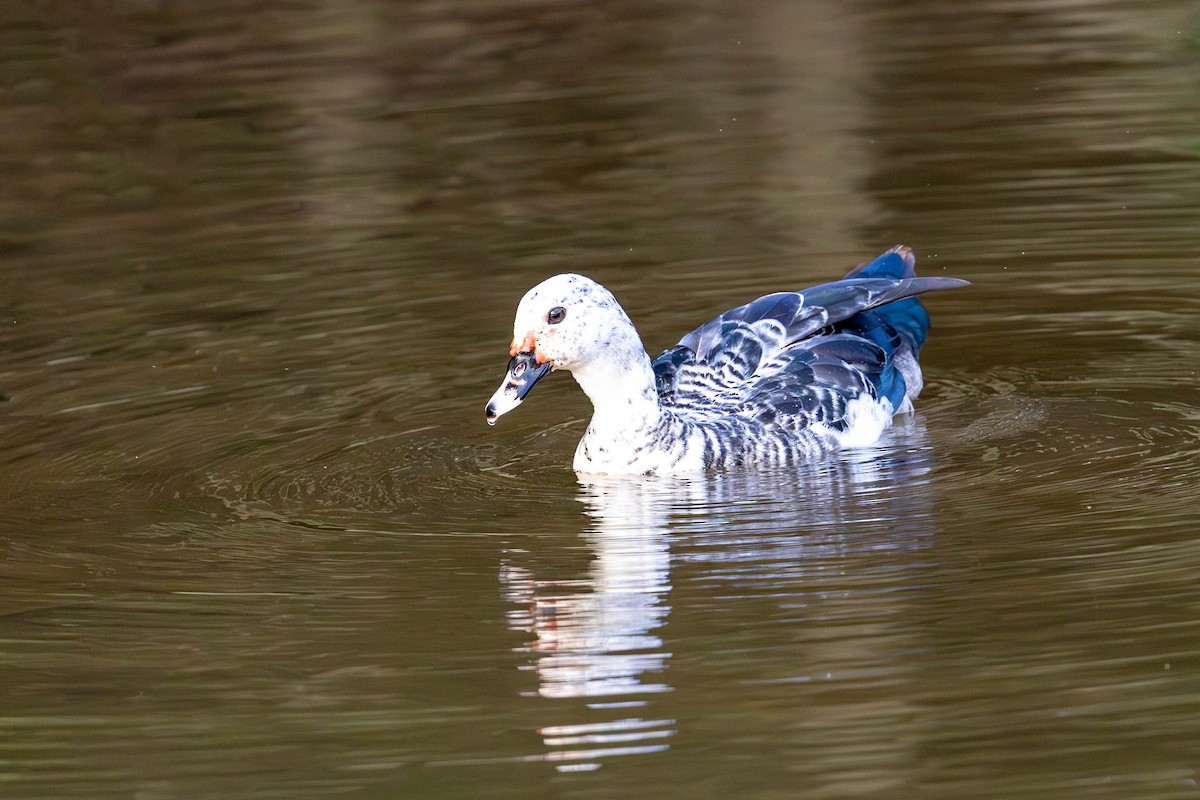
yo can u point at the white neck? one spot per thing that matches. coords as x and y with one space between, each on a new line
620 385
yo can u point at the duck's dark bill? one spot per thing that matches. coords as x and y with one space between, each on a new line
523 372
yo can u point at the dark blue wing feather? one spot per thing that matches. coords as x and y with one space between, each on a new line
801 356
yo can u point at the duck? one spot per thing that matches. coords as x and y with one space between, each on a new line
772 383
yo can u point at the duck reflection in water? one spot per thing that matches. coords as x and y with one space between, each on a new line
597 640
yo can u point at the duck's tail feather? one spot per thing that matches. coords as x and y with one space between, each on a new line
899 262
898 327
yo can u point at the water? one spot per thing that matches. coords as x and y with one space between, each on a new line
257 270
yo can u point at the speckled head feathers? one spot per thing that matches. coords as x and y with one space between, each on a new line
567 320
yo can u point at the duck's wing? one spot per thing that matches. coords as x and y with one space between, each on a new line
751 352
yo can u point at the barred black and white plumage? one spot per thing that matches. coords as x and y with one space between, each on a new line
773 382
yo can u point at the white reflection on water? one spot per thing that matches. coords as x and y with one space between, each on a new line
597 638
594 638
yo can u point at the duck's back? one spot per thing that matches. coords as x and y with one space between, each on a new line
799 358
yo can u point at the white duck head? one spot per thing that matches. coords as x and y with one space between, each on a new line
572 323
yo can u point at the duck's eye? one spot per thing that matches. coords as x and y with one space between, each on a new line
556 315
